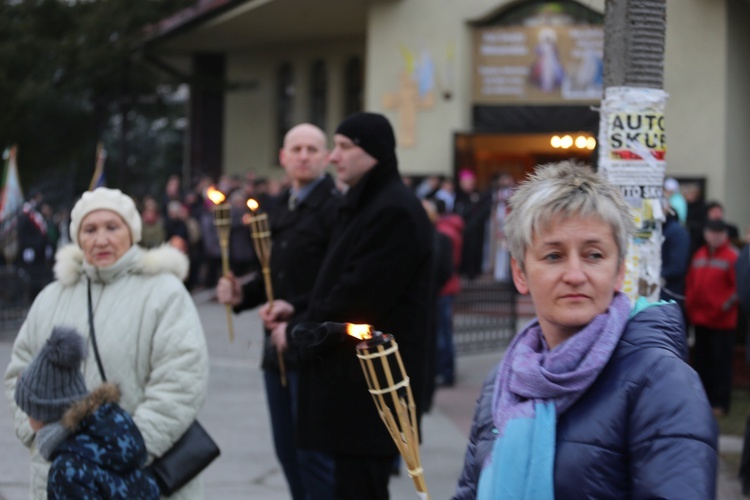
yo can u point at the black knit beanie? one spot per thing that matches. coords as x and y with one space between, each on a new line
53 381
371 132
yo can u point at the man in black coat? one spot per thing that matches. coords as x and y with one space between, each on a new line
377 272
301 224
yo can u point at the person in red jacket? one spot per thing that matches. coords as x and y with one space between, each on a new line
711 305
452 226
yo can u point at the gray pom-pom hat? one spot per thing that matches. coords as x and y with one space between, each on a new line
53 381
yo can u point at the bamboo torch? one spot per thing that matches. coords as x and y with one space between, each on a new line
258 222
222 221
389 386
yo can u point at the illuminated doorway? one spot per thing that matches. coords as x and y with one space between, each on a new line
488 155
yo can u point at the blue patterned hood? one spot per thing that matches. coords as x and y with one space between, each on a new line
104 456
105 434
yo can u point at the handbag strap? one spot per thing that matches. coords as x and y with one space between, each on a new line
93 335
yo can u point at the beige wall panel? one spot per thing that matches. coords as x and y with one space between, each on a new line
249 115
737 181
695 78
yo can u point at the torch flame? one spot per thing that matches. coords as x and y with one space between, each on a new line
216 196
252 204
362 332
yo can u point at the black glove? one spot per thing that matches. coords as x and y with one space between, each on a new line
319 339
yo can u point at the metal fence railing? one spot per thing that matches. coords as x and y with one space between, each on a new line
484 315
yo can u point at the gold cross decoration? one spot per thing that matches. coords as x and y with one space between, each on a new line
407 101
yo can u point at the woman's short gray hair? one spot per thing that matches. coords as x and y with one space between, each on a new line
565 189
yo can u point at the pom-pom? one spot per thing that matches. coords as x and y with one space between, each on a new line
65 347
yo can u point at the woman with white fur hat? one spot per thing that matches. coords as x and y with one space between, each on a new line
148 332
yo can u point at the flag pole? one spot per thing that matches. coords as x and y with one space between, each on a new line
101 155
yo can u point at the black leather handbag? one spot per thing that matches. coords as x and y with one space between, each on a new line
192 453
187 457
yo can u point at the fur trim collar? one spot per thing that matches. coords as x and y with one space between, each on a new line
105 393
164 259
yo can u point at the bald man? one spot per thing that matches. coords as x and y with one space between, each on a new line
377 272
301 223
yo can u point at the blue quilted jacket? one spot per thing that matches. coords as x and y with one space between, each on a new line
103 458
644 429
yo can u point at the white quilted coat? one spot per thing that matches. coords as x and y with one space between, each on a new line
150 340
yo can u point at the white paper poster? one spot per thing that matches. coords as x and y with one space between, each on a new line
632 150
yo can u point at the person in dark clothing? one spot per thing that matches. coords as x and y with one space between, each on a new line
242 258
172 192
452 226
33 243
442 270
474 208
301 224
592 399
174 224
377 272
211 247
742 272
675 260
715 211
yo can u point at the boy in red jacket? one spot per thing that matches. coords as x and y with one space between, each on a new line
711 305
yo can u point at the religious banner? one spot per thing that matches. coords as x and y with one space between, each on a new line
538 64
632 149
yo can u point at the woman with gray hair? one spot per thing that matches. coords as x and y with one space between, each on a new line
593 399
147 329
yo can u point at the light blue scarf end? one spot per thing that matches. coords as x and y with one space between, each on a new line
523 459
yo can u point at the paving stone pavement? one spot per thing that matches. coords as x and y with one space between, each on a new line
235 415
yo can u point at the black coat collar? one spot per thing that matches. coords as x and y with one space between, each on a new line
370 183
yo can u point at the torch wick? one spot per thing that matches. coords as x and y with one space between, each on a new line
376 338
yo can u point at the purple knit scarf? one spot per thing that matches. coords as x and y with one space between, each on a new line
530 372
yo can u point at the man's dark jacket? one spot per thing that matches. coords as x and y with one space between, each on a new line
377 272
742 270
644 429
300 239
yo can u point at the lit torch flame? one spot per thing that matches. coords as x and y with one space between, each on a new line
252 204
216 196
362 332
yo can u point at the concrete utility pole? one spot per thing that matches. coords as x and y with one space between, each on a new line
632 142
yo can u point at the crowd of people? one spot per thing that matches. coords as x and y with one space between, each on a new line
593 384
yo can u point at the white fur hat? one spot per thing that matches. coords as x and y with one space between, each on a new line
102 198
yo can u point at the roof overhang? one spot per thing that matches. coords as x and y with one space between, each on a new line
229 25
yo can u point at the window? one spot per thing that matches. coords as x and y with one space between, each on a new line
318 94
284 102
353 86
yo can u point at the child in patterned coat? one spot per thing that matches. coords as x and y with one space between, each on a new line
95 448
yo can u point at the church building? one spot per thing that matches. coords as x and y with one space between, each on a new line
494 86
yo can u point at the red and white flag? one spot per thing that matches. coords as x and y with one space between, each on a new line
11 196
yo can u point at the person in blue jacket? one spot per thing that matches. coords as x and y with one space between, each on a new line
96 450
593 398
675 259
